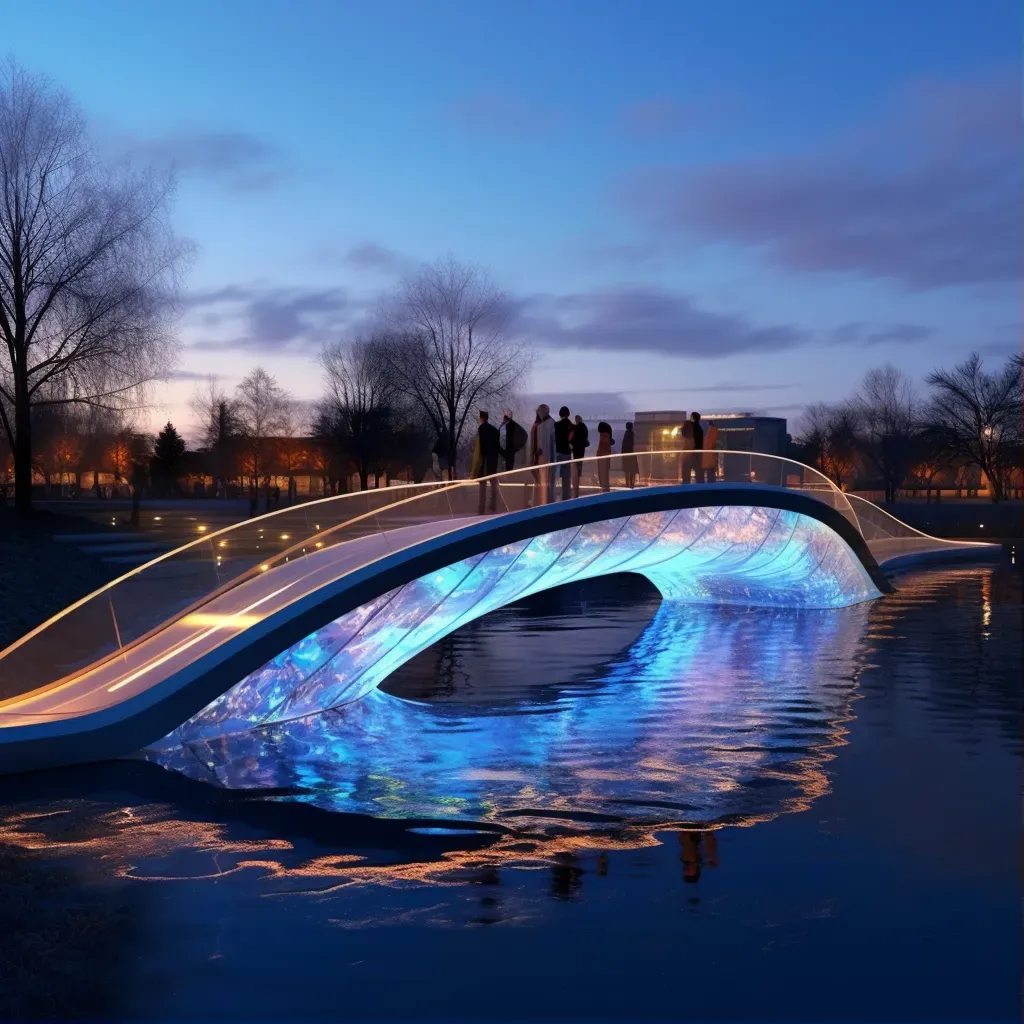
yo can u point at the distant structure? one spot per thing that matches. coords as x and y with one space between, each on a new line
662 431
737 431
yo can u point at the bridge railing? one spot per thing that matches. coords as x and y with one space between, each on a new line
180 583
888 536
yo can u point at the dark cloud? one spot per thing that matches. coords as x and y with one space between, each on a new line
367 257
927 195
274 319
497 114
859 333
643 319
237 160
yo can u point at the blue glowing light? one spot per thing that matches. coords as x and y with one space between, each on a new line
711 714
749 556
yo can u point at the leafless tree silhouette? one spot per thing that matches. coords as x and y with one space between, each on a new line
447 348
88 267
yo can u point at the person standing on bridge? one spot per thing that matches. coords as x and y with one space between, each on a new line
544 454
515 439
629 460
710 457
605 440
485 461
580 441
563 450
698 445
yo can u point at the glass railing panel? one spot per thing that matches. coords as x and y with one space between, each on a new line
141 601
296 543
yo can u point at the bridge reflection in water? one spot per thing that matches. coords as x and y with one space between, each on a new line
713 715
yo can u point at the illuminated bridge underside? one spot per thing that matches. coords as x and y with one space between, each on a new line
322 630
726 554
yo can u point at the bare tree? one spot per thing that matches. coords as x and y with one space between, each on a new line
263 410
828 437
888 425
358 406
447 348
975 417
88 267
217 421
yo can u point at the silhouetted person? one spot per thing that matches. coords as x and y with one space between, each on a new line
579 440
544 454
629 460
605 440
710 457
698 445
697 849
686 443
485 461
563 450
516 440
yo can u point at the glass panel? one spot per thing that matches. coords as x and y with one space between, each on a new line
216 585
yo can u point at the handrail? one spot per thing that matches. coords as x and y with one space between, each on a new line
205 539
98 616
874 509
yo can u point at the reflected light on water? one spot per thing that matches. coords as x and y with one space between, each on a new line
711 715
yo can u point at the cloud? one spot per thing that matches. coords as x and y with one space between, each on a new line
859 333
368 257
926 195
497 114
637 318
660 115
729 386
238 161
269 319
187 375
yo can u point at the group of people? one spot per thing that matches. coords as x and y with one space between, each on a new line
562 444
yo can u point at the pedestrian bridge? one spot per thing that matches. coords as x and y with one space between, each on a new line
311 607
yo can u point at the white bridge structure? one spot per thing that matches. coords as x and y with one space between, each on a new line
310 607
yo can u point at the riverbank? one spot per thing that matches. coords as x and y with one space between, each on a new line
964 519
40 575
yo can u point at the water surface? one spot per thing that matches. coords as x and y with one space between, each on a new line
585 806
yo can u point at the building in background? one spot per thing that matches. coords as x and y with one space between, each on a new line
662 431
737 431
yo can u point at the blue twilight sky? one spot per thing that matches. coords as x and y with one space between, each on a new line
714 204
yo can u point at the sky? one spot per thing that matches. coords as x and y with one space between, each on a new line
720 205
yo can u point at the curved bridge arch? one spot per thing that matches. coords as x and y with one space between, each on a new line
748 544
758 526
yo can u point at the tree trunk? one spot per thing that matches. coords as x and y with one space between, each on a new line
22 452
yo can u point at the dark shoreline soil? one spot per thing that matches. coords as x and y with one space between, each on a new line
40 575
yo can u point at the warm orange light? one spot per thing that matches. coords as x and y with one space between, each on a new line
220 621
285 536
201 528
